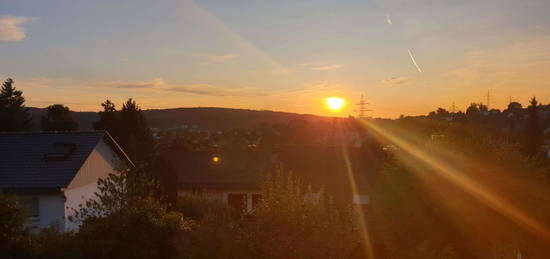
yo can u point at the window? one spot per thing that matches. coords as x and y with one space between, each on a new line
237 201
60 150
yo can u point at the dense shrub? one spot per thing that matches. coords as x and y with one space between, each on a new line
292 220
144 231
197 206
12 223
51 243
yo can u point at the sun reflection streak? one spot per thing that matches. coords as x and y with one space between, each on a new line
456 177
362 220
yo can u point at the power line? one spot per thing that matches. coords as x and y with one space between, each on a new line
362 107
488 99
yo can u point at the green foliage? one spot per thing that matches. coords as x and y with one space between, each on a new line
291 219
218 232
13 114
58 118
144 230
126 220
198 206
51 243
12 222
127 188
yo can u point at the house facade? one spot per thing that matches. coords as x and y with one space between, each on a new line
53 173
233 177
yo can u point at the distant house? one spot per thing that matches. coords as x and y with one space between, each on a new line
233 177
53 172
236 177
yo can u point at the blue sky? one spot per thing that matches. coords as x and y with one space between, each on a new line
277 55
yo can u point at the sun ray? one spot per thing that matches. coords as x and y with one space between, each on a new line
456 177
362 221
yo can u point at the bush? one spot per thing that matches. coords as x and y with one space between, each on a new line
197 206
292 220
51 243
144 231
127 220
12 224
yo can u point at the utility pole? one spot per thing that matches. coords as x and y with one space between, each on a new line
362 107
488 99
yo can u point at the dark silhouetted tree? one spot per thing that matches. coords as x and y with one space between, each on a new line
58 118
108 119
533 131
129 128
476 108
13 114
514 106
441 112
137 136
472 109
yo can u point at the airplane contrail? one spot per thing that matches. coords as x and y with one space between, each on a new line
414 61
388 19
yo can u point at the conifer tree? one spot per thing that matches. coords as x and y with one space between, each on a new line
129 128
13 114
533 131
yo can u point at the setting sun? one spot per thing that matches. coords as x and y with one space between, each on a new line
335 103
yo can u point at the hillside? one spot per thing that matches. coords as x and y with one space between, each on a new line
206 118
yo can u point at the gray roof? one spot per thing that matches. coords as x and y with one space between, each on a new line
25 163
235 170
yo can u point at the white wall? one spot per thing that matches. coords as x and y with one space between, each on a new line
101 162
49 208
76 197
51 211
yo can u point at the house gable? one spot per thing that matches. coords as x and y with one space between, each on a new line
102 161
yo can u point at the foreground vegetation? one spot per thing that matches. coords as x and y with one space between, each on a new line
128 221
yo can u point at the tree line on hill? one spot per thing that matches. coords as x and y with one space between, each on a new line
526 126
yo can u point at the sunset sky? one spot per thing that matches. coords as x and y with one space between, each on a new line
406 56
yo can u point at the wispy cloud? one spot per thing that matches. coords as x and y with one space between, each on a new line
395 81
11 28
206 89
322 66
156 83
123 59
414 61
223 58
200 89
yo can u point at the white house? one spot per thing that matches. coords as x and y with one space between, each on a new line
54 172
